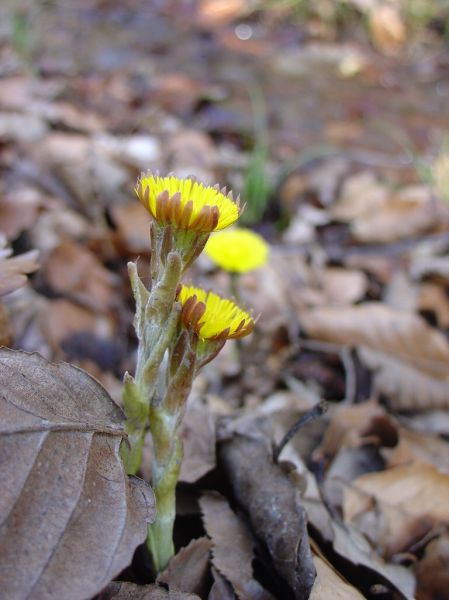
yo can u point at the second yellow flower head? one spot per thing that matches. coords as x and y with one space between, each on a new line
213 317
237 250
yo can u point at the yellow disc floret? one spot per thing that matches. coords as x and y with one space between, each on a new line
237 250
213 317
186 203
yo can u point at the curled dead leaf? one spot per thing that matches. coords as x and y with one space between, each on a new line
271 501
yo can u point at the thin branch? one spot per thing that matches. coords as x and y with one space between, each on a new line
315 412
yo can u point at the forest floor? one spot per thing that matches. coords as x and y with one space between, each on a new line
332 126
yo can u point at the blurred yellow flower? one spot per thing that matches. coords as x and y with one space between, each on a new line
237 250
213 317
187 204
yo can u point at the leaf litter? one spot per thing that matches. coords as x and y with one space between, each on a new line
355 505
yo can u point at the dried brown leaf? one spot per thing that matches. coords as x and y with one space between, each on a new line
123 590
13 270
71 518
187 571
73 270
432 571
353 547
329 584
221 589
416 446
5 327
419 490
198 435
271 501
232 551
387 28
348 426
411 358
18 212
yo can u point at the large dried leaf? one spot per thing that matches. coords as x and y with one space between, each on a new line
417 489
70 517
411 358
397 507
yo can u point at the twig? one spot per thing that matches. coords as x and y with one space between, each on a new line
350 379
315 412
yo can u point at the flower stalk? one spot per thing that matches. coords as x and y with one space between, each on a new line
179 330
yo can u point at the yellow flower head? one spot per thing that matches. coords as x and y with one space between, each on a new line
213 317
187 204
237 250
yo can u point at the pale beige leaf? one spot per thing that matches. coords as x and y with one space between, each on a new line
329 584
13 270
412 358
387 28
419 490
407 387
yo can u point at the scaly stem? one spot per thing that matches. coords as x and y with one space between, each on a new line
167 458
155 323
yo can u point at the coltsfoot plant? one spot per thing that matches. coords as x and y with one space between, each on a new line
179 329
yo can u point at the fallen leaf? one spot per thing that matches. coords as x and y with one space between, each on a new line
67 489
61 322
387 28
18 211
5 326
217 13
409 212
433 298
354 547
73 270
410 358
232 546
417 446
221 589
349 425
342 286
360 194
132 221
188 570
13 270
432 571
123 590
329 584
420 490
198 435
271 502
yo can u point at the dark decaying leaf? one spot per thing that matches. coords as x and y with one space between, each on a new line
189 569
70 517
269 498
232 547
118 590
